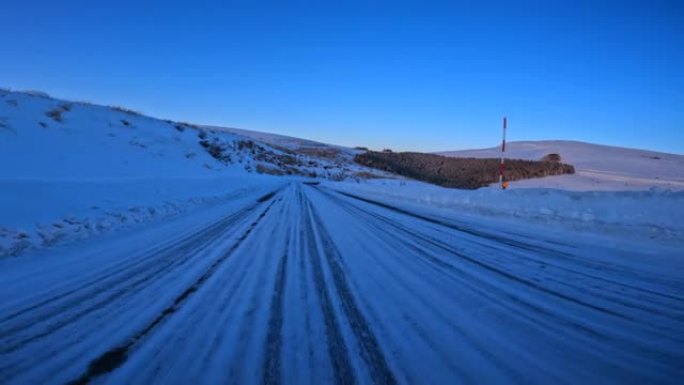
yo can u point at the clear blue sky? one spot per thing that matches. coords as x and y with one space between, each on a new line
416 75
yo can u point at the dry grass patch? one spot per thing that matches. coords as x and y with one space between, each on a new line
326 153
57 114
125 110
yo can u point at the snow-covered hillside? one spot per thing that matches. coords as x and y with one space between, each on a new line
597 167
279 140
73 169
50 138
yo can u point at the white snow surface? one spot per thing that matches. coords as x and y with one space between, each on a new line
654 214
597 167
311 286
282 140
43 213
90 169
93 142
220 275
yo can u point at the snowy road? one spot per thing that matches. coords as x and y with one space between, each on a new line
307 285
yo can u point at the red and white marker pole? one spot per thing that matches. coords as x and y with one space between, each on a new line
502 167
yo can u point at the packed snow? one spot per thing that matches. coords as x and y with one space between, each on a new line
597 167
306 285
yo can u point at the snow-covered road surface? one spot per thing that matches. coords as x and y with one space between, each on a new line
307 285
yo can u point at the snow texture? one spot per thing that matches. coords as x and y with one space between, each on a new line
73 169
218 275
652 214
305 285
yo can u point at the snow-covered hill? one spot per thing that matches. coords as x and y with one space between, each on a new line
279 140
597 167
50 138
72 169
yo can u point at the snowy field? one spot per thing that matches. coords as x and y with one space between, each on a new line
130 255
597 167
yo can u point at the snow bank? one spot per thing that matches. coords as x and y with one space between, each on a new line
40 213
653 214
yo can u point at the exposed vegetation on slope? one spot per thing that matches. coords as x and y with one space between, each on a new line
467 173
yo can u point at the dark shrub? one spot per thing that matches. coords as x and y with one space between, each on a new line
468 173
551 158
125 110
55 115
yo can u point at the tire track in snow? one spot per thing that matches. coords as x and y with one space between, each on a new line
271 370
124 286
151 254
208 321
647 305
481 264
251 322
337 349
305 277
553 319
271 367
94 284
120 291
509 242
370 348
442 267
449 266
115 357
112 291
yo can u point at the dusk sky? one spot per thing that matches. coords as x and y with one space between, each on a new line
424 76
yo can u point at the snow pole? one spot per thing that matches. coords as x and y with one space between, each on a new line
502 167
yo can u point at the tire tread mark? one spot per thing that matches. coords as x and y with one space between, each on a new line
117 356
506 241
370 348
272 350
212 233
162 249
532 307
337 349
489 267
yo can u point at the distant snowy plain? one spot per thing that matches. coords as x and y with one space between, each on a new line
597 167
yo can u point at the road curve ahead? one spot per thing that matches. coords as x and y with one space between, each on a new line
306 285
